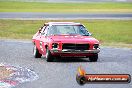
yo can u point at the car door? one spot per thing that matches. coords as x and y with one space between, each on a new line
43 40
38 38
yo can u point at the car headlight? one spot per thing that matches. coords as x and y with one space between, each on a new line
96 46
55 45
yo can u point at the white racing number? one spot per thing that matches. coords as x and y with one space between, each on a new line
41 45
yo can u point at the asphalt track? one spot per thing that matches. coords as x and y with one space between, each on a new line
62 73
41 15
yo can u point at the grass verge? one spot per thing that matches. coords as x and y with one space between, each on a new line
108 32
65 7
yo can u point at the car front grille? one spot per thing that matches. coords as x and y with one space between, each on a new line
75 46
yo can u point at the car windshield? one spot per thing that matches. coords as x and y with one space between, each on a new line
68 30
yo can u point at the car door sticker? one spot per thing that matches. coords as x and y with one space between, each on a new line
41 45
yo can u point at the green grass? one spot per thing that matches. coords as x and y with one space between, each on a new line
64 7
111 31
106 31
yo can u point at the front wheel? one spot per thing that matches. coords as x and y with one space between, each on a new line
49 57
36 52
93 58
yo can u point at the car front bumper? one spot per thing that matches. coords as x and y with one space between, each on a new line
66 51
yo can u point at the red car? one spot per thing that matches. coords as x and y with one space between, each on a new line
65 39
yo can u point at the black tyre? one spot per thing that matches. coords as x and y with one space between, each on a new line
93 58
36 52
49 57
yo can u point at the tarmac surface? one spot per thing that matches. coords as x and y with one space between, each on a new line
62 73
42 16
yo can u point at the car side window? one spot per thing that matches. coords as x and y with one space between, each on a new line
43 29
44 32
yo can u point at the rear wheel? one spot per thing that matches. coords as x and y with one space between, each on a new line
36 52
93 58
49 57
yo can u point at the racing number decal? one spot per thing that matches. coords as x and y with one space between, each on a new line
41 45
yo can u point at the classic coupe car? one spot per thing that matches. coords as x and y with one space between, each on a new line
65 39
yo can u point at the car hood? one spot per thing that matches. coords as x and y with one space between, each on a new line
74 39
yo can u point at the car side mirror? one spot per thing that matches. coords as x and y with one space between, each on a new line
43 33
90 34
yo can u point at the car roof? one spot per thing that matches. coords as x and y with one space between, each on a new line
62 23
